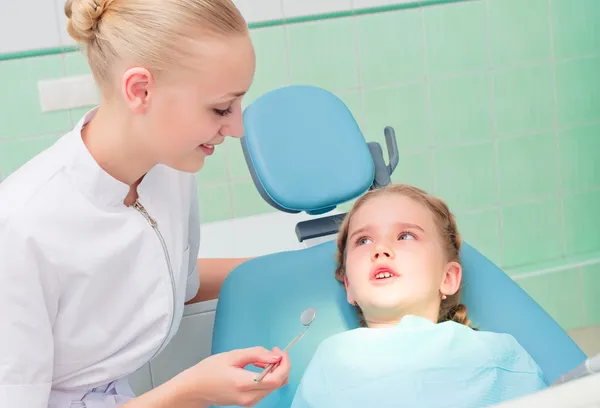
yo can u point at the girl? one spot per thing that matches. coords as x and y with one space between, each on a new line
99 233
398 258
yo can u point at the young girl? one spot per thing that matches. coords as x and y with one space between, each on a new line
398 258
99 234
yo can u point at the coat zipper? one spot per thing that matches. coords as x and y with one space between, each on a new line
140 208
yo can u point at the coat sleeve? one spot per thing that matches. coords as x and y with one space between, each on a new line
193 280
28 305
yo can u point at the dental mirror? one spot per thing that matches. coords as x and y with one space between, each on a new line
306 318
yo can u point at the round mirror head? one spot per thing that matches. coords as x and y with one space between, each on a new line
308 316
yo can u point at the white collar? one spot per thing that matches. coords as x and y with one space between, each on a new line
92 179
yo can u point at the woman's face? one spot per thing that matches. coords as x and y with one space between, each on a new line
189 111
395 263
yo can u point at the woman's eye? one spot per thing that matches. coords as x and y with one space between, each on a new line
406 235
223 112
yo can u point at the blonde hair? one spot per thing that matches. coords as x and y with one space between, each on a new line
450 308
155 33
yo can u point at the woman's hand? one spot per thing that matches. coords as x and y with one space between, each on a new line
221 379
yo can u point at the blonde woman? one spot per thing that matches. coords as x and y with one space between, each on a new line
99 235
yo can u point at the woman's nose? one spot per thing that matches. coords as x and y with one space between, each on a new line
235 128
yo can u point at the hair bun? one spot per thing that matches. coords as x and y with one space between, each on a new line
84 17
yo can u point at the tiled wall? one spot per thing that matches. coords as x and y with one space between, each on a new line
495 103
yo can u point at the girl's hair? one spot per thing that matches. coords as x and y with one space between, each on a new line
450 308
155 33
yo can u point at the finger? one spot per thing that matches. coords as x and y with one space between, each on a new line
277 351
279 374
246 382
254 355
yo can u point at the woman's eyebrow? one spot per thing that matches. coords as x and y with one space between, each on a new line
236 94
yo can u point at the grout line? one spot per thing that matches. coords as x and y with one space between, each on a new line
63 59
554 269
7 139
469 143
489 70
228 178
289 21
476 210
359 75
582 311
494 133
406 152
529 200
557 161
417 80
286 40
316 17
362 117
427 83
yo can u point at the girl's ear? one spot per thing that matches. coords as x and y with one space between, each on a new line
452 278
349 296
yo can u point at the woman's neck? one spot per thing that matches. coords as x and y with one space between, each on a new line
113 143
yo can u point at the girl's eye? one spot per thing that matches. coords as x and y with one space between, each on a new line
362 241
223 112
406 235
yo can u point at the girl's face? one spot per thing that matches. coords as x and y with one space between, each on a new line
188 112
395 263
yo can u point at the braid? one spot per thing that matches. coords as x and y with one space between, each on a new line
458 314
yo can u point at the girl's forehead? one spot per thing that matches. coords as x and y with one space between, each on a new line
391 209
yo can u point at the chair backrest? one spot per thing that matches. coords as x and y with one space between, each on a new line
261 301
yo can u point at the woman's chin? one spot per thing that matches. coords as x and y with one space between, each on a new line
189 164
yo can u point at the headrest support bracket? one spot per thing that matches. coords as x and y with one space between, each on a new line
384 172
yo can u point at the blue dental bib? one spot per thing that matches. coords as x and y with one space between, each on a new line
417 364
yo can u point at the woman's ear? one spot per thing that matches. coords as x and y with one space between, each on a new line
136 89
452 279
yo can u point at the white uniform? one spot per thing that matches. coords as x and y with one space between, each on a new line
90 290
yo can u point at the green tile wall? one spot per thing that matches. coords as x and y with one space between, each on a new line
495 103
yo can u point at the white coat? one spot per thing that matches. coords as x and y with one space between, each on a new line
90 290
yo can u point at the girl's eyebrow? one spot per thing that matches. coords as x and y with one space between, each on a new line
399 225
359 231
408 225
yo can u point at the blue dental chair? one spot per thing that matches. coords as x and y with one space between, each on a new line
306 153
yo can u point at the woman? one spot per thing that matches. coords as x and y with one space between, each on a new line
98 234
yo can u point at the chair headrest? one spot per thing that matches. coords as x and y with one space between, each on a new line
305 150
